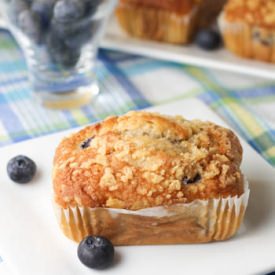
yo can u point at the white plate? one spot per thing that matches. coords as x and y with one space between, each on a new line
32 243
116 39
222 59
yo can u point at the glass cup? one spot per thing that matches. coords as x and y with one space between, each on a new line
60 39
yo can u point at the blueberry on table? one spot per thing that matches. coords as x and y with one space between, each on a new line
96 252
21 169
68 10
30 26
208 39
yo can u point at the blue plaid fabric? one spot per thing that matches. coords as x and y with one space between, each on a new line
129 82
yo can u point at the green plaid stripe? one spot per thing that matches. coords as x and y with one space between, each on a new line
236 111
21 119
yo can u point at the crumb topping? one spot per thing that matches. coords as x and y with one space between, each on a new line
143 160
260 13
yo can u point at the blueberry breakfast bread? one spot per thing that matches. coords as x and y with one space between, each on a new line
168 21
248 28
144 178
173 21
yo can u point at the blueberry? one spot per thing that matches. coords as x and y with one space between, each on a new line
79 39
60 54
195 179
81 33
208 39
68 10
67 59
29 24
16 7
54 42
71 28
96 252
43 9
76 34
28 2
86 143
91 6
21 169
61 30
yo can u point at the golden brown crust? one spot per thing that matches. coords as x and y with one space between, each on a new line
173 21
142 160
177 6
148 22
259 13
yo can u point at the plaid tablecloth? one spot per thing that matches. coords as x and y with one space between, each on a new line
130 82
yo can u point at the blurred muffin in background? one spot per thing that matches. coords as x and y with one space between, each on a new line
173 21
248 28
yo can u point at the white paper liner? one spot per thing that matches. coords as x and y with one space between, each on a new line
195 222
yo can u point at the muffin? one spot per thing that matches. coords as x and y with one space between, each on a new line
168 21
144 178
248 28
172 21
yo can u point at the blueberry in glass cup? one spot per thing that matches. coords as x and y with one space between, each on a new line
60 40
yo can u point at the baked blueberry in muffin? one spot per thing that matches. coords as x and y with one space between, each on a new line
130 176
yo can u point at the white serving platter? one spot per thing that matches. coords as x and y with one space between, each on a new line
221 59
31 242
